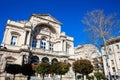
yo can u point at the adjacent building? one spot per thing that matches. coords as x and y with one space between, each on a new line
90 52
111 58
86 51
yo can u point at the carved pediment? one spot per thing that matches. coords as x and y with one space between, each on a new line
46 17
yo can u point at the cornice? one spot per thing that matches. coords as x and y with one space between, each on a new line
56 22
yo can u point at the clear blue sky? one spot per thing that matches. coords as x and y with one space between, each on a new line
68 12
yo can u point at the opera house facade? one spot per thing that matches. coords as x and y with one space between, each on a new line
39 36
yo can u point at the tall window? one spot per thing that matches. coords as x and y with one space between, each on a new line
34 42
43 43
113 68
67 47
13 40
51 46
117 46
67 50
112 61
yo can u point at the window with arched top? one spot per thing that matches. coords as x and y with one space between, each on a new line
45 60
43 43
34 59
54 60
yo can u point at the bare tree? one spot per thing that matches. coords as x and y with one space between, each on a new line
101 27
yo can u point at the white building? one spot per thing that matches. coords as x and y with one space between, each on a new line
91 53
86 51
39 36
111 60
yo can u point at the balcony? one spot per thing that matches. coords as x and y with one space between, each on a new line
48 52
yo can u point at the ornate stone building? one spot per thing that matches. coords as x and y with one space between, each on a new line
39 36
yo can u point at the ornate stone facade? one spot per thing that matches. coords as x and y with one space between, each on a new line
39 36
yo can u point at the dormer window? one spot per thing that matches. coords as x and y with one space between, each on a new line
13 40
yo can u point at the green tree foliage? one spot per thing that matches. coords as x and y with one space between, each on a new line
99 75
60 68
82 66
90 77
13 69
27 70
43 68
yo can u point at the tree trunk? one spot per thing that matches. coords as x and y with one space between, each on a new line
75 76
60 77
84 77
28 78
43 76
14 77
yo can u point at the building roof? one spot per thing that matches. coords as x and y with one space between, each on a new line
47 17
112 41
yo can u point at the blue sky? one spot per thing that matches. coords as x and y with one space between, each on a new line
68 12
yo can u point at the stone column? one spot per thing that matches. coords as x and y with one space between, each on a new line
5 35
38 44
28 39
25 38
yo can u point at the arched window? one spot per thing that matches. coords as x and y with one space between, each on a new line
43 43
34 60
45 59
54 60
